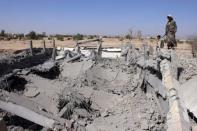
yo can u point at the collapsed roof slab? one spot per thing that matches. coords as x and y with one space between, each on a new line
188 91
29 110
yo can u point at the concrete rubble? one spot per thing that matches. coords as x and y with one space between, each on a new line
76 92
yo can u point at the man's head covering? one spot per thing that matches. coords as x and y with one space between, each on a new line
170 16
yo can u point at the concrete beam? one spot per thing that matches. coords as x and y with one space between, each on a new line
177 117
88 41
29 110
27 114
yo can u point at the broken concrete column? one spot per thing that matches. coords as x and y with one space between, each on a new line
54 51
77 49
130 54
99 48
146 52
93 55
177 118
27 114
44 46
31 48
174 61
124 53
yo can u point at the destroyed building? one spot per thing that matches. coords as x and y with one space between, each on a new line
80 91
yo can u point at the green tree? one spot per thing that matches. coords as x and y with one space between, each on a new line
32 35
78 37
91 37
60 37
128 36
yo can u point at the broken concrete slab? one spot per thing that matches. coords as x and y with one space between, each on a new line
73 70
157 85
103 99
188 91
29 110
27 114
46 66
31 92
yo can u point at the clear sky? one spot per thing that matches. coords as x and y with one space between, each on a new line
110 17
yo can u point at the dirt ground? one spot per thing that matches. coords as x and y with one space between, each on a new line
107 42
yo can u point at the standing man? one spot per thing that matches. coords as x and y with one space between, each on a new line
160 42
171 29
159 45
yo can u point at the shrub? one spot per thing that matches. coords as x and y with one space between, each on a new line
60 37
91 37
32 35
128 36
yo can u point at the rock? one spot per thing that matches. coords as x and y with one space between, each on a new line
31 92
151 111
82 123
82 113
81 128
105 113
144 125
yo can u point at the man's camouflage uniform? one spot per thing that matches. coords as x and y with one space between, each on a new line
171 29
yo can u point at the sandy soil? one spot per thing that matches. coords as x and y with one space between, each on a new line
107 42
183 49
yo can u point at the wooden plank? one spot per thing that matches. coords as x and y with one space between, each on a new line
88 41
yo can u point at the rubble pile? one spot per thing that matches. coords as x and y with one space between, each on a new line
21 59
80 93
188 68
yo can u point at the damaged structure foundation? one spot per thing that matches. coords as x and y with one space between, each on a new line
76 92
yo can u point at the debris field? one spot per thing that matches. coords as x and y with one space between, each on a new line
79 93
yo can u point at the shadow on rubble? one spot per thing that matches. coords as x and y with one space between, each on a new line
179 71
17 123
76 104
14 84
192 116
21 59
51 74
